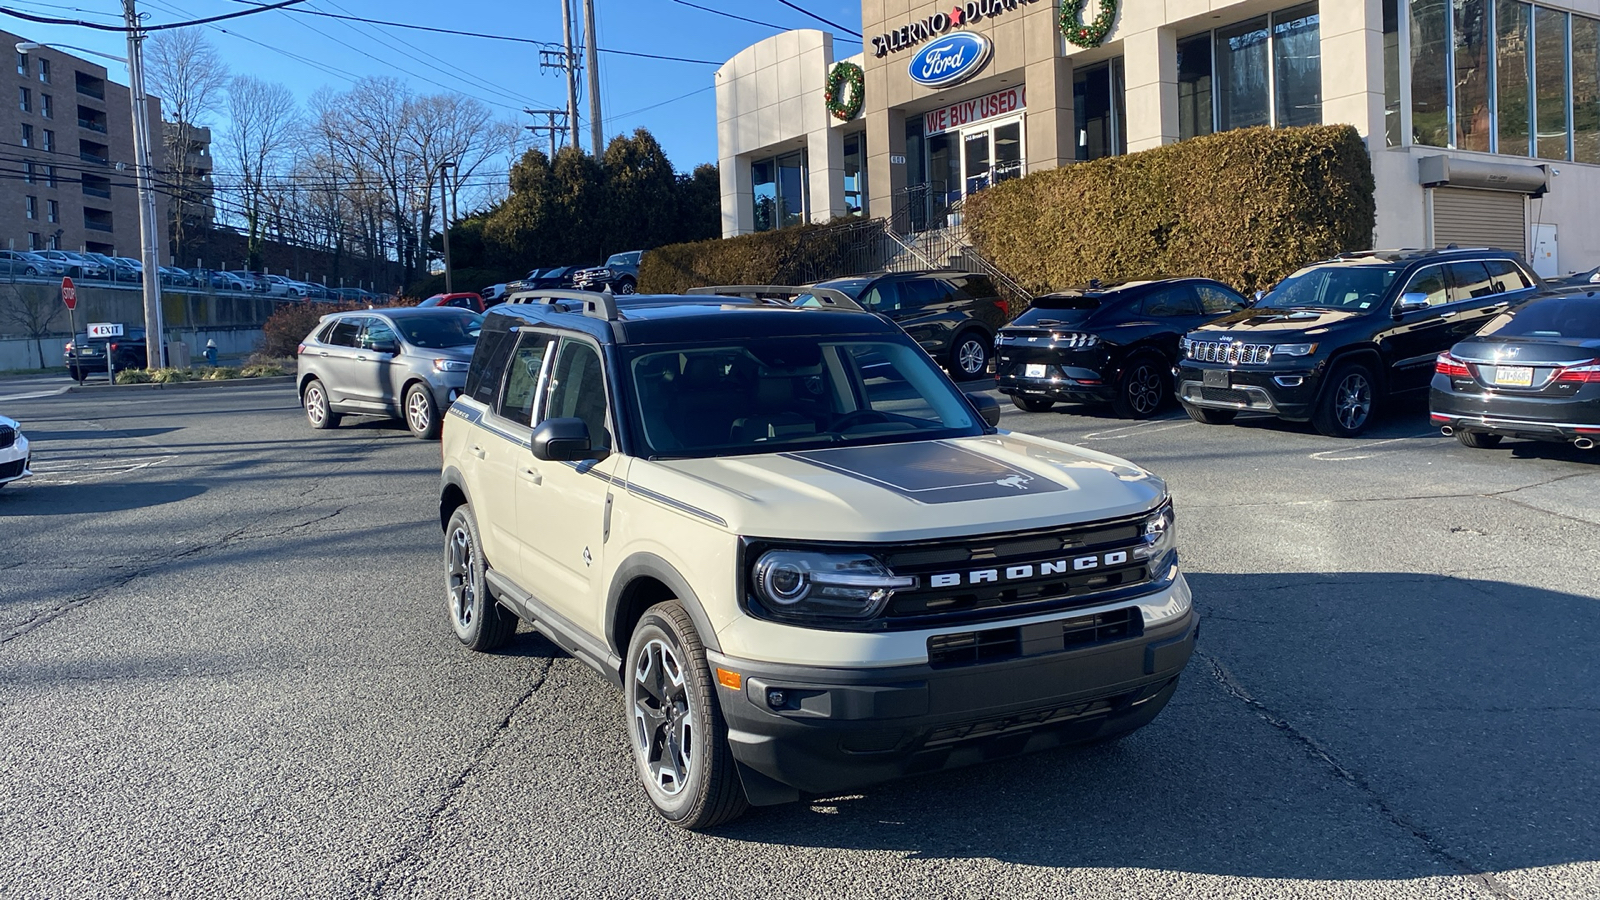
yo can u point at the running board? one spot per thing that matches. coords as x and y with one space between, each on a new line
557 628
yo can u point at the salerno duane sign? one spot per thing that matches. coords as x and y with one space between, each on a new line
963 14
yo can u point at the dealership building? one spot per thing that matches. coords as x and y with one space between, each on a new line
1482 117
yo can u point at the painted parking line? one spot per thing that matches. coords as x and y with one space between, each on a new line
1351 454
77 471
1138 430
35 395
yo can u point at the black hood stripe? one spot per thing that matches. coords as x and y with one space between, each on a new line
929 471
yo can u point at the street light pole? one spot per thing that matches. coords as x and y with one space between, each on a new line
444 214
149 234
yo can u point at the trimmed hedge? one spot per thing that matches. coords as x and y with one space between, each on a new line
795 255
1245 207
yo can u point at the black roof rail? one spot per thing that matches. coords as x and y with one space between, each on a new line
828 297
596 304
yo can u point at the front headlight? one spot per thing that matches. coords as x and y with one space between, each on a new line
799 584
1160 537
1294 349
450 365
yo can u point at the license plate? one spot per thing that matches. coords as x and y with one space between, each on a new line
1035 370
1216 378
1514 376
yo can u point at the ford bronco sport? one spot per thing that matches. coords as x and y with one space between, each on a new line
805 574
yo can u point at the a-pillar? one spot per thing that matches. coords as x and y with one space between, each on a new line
1150 61
825 157
886 179
1352 66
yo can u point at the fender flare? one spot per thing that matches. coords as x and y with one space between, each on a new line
648 565
451 477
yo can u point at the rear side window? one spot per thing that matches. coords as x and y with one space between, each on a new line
578 390
522 378
1468 281
344 333
1507 275
916 295
488 363
973 287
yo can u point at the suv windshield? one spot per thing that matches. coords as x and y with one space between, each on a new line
766 396
438 332
1556 317
1357 288
624 259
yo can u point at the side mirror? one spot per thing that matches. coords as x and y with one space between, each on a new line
563 440
1415 301
988 408
1257 298
389 347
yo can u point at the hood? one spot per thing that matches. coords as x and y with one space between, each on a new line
13 424
904 492
1276 322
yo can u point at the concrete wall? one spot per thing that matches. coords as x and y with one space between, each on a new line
233 344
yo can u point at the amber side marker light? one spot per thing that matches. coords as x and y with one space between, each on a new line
729 679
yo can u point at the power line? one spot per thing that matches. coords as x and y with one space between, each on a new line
51 20
634 112
729 15
806 12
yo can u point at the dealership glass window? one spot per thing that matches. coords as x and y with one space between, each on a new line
976 144
1430 90
1241 75
1513 29
1098 107
944 171
1585 89
1550 81
1391 73
779 186
855 174
1469 36
1008 151
1297 66
1194 86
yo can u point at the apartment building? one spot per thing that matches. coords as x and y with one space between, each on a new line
66 155
1482 117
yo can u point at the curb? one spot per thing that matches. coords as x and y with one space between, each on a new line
180 385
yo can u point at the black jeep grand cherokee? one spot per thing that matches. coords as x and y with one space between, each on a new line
1333 338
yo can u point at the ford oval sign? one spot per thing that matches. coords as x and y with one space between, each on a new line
950 59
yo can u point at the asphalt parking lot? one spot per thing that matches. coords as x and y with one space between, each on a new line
225 671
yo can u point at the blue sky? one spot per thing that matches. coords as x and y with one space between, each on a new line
634 92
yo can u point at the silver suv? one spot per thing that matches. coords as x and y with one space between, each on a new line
807 560
397 363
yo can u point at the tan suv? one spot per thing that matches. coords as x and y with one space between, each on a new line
808 561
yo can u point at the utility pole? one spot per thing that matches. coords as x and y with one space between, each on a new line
444 212
572 71
149 227
592 52
550 127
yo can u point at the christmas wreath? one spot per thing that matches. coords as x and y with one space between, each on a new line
1086 34
842 74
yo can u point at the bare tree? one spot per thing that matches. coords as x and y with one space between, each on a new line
32 308
185 70
261 119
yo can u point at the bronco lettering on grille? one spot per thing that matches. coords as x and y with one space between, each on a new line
1030 570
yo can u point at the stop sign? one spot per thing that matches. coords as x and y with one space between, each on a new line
69 294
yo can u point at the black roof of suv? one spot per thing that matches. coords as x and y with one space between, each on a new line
1331 341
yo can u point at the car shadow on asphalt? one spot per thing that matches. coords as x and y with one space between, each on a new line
26 498
1331 726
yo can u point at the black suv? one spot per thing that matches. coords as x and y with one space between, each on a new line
953 315
1330 340
1114 343
85 356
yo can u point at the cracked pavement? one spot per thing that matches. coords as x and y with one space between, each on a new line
225 671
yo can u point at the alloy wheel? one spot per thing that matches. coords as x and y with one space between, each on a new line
1144 389
971 358
417 412
1352 401
316 405
459 581
663 720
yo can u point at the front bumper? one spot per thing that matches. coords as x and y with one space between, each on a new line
1288 393
15 460
819 729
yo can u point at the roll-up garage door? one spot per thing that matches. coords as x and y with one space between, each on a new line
1469 218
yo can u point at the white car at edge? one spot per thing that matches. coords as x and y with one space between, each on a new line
13 452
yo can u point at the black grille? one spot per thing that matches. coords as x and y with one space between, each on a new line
8 436
971 648
1023 721
12 469
1224 395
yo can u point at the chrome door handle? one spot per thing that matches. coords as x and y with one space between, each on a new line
323 353
531 475
475 450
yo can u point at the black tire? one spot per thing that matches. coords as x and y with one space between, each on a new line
314 399
421 413
627 286
969 356
1141 388
1210 416
479 621
669 692
1348 399
30 271
78 375
1031 404
1477 440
